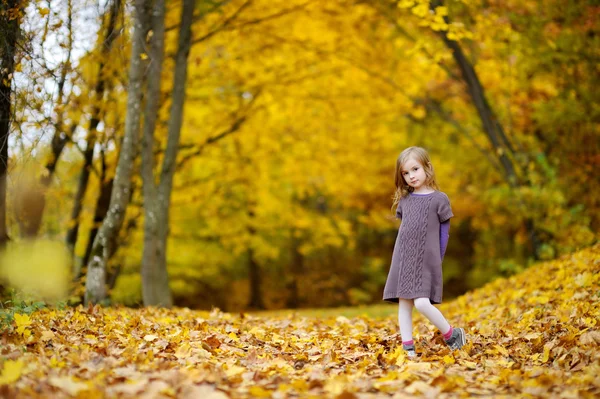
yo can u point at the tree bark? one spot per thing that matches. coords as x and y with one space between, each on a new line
256 300
254 273
102 204
9 32
152 251
109 38
105 242
155 278
296 271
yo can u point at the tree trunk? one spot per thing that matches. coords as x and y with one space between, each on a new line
256 300
296 271
492 127
109 38
152 251
254 274
59 141
102 204
105 242
9 31
155 277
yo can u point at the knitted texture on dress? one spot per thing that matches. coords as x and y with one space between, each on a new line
414 236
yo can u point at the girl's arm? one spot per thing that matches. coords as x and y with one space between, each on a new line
444 235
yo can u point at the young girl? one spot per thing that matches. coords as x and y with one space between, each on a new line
415 276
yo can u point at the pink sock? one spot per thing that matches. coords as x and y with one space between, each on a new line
448 334
408 343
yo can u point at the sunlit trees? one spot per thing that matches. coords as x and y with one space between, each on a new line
105 242
267 171
11 13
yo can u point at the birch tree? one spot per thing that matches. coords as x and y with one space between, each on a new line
105 241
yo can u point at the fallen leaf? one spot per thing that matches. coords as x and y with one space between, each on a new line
11 371
150 337
69 385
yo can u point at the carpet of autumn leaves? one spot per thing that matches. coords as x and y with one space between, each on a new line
536 334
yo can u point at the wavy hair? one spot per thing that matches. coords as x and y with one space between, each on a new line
420 155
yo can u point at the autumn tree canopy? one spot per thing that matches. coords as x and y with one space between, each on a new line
292 116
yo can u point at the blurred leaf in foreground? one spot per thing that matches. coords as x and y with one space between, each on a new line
41 269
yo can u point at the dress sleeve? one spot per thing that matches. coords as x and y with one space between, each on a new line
444 210
399 210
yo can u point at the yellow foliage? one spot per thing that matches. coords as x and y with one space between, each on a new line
323 96
41 269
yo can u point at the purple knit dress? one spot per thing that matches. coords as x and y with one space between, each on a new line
416 269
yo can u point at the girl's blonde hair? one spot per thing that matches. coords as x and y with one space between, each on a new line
421 156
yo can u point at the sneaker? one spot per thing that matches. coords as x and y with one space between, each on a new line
410 351
458 339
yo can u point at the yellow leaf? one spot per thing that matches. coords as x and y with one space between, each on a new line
11 371
259 392
538 300
401 359
584 279
144 56
418 367
501 349
441 11
468 364
419 112
233 336
183 351
449 359
44 11
55 363
234 370
406 3
546 356
300 385
22 321
150 337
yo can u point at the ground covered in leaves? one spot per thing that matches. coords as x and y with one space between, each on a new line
533 335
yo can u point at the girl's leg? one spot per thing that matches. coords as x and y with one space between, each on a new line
425 307
405 320
455 337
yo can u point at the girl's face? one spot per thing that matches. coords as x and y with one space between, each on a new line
414 174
